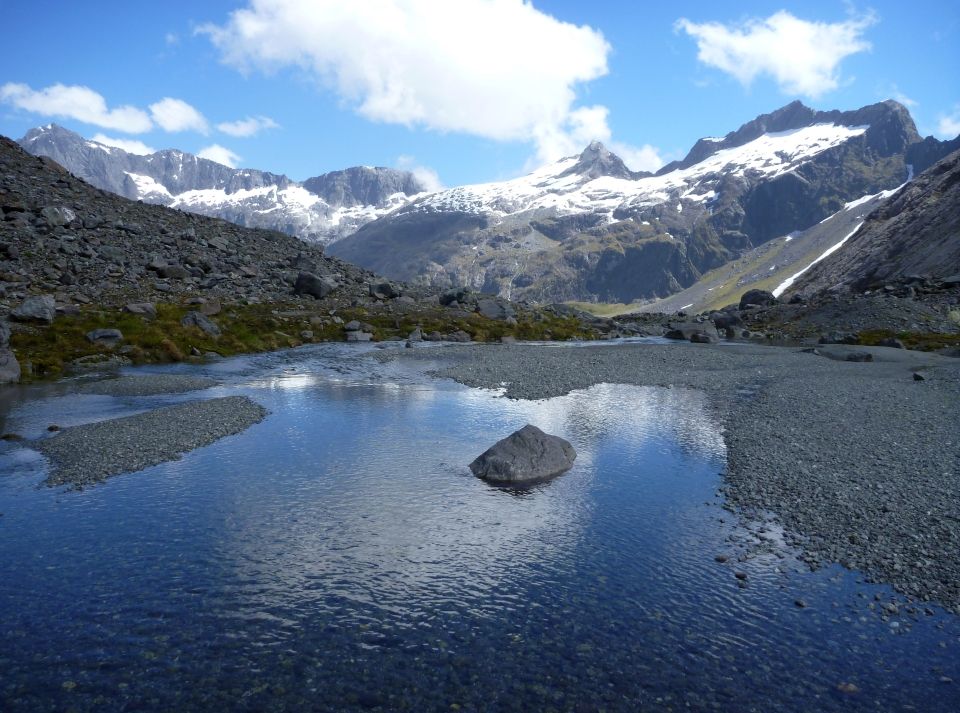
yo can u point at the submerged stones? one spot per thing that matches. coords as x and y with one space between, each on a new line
524 456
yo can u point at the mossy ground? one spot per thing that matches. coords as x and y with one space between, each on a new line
921 341
46 351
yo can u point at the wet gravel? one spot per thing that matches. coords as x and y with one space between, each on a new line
88 454
859 461
147 385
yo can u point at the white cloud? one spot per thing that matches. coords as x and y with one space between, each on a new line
638 158
220 154
429 178
76 102
899 96
499 69
176 115
172 38
251 126
129 145
948 125
802 57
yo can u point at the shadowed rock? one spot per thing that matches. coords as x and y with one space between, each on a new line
525 455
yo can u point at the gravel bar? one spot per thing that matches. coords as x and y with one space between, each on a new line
860 462
146 385
84 455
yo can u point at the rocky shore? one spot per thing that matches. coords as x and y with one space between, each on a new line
857 459
84 455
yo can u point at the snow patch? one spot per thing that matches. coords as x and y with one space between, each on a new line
782 287
548 187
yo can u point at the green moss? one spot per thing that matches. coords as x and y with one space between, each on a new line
47 350
921 341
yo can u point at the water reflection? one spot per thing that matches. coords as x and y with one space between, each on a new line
340 556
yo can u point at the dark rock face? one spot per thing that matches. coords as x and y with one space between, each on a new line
916 232
524 456
362 185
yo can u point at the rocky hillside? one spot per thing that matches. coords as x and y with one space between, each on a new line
90 278
587 228
916 232
319 209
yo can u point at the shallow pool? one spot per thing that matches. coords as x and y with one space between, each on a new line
340 556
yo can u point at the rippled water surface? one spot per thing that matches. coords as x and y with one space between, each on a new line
340 556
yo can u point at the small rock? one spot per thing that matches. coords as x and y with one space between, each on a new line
721 558
918 377
306 334
53 427
740 575
848 688
800 603
109 337
146 309
9 366
202 322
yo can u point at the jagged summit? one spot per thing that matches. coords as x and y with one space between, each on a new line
891 129
322 208
597 160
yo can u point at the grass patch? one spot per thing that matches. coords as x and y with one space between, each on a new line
921 341
45 352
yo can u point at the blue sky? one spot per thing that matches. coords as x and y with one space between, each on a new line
461 90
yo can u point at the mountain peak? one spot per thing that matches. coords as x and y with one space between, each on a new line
597 160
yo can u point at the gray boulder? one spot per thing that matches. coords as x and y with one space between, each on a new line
495 309
686 330
384 290
57 215
317 287
109 337
9 367
202 322
146 309
757 298
40 308
525 455
358 336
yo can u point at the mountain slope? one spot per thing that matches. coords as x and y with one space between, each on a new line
321 209
916 232
586 228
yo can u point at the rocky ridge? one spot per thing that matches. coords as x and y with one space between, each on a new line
319 209
588 229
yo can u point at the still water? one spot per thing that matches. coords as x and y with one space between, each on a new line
340 556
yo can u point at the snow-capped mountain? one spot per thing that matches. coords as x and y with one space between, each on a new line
321 209
587 228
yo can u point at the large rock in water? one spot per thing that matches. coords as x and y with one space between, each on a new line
526 455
